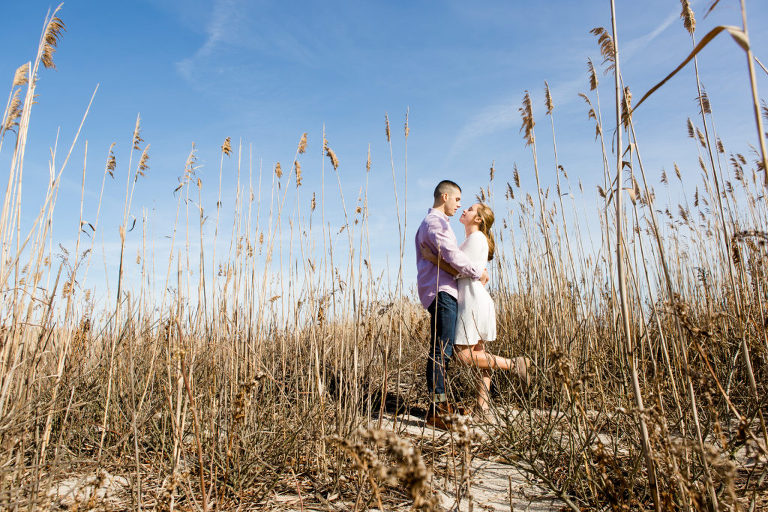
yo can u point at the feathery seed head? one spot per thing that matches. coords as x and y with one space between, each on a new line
526 113
691 129
516 175
226 148
607 50
634 192
386 125
297 169
601 191
702 138
303 144
407 130
626 108
493 169
14 112
703 167
703 101
548 99
51 39
278 170
368 160
137 140
189 165
313 202
143 162
677 171
738 169
332 155
21 76
689 21
592 75
591 112
111 161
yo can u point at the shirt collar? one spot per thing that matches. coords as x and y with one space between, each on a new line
439 213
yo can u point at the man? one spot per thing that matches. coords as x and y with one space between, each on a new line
439 292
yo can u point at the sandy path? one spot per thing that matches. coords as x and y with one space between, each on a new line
493 485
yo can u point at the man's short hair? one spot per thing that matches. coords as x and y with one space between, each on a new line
445 187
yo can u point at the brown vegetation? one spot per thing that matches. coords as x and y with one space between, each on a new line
650 390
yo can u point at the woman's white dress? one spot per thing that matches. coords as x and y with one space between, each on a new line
477 314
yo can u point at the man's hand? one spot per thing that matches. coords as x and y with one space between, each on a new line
484 278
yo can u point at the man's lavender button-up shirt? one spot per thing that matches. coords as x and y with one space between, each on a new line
435 232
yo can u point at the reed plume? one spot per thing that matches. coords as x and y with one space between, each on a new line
21 76
331 156
593 81
526 113
297 170
13 113
303 144
226 148
137 140
51 39
607 50
626 108
143 162
689 20
111 164
548 99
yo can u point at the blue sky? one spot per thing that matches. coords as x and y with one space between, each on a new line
266 72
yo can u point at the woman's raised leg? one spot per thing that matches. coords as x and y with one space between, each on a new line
476 355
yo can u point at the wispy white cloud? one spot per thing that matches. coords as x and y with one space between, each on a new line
233 25
491 119
503 115
639 43
224 12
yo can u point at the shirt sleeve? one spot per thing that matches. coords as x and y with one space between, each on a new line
450 253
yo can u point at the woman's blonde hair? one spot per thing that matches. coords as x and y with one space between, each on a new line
486 221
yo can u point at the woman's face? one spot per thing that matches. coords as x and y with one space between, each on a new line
469 216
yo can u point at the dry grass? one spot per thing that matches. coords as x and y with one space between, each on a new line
252 383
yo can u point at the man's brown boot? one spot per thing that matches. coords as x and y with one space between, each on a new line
437 416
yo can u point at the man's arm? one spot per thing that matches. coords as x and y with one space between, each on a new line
431 257
447 249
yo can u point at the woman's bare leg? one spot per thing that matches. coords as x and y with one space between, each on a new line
476 355
484 390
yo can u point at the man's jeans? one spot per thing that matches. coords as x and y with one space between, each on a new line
442 316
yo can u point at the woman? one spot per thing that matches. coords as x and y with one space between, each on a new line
476 322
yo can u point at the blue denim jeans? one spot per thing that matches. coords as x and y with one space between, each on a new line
442 315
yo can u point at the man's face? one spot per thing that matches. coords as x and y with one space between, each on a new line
452 202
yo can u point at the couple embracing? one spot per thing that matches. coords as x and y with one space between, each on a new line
451 282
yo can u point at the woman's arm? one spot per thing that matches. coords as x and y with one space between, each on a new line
428 255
